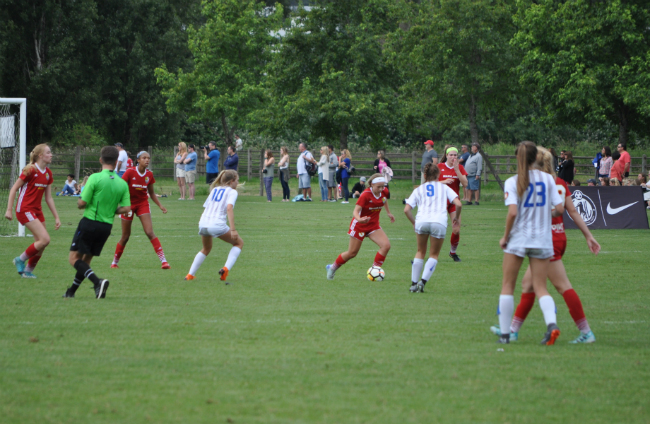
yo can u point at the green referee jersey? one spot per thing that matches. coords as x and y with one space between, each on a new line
103 192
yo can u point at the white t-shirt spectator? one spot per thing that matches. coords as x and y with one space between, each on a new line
216 207
431 199
70 184
301 161
122 158
238 144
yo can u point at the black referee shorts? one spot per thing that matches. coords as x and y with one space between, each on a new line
90 237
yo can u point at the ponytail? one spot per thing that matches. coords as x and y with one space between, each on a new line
431 172
33 157
224 178
545 161
526 155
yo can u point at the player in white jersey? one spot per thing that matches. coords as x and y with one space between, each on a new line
432 200
219 209
532 200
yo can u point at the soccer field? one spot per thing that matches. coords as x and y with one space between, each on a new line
281 343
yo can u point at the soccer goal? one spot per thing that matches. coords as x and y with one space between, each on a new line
13 148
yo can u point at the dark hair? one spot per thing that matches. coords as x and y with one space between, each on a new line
568 155
71 175
526 155
444 152
616 155
231 148
608 151
214 143
623 146
331 147
431 172
269 153
605 181
576 183
109 155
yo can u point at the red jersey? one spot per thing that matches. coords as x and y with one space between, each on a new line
31 193
371 206
446 172
138 185
557 223
129 164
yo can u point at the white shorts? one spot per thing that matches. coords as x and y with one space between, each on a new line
214 231
522 252
434 229
304 181
180 173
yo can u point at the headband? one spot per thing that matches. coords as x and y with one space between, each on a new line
451 149
140 154
379 180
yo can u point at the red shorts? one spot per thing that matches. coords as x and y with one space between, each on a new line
360 231
28 216
136 210
559 247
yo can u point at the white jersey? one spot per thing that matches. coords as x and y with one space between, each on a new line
532 227
216 206
432 199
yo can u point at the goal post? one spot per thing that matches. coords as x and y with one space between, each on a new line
13 154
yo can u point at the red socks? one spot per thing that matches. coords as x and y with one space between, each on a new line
575 309
379 260
159 250
119 249
525 305
455 239
31 264
31 251
338 263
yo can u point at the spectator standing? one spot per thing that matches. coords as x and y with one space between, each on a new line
345 162
122 160
474 167
618 168
69 188
359 187
382 166
284 173
232 160
625 158
323 172
566 168
605 163
555 160
304 180
462 159
190 170
596 162
212 156
560 162
269 165
429 156
331 183
239 144
179 160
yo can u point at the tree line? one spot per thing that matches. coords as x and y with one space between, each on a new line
372 72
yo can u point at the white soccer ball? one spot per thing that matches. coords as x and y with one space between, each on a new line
375 273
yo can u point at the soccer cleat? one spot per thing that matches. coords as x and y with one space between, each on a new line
69 293
189 277
114 266
28 274
454 257
100 289
165 265
551 335
330 272
497 332
585 338
417 287
20 265
223 272
504 339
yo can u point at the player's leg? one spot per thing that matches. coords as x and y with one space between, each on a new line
353 250
418 262
523 309
539 271
432 262
511 265
381 239
88 241
200 257
127 222
237 245
147 226
455 236
560 280
41 240
33 261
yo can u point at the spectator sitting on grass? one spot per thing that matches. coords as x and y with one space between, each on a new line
575 183
359 187
69 188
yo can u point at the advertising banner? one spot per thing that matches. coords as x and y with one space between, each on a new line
609 207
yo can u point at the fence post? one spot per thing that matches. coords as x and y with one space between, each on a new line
413 172
644 164
261 168
150 150
77 163
249 170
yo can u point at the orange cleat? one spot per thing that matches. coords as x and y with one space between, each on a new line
189 277
165 265
114 266
224 273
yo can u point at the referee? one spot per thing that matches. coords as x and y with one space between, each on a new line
104 196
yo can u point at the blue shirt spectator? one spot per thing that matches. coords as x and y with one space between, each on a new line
232 160
212 159
191 165
344 171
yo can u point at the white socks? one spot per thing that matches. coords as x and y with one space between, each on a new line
198 261
429 268
232 257
416 270
548 309
506 310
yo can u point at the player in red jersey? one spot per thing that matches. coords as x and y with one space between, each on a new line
453 174
365 223
129 164
34 182
556 271
140 181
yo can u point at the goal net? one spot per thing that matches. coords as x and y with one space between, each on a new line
12 156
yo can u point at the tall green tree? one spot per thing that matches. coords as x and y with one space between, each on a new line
457 59
230 54
587 61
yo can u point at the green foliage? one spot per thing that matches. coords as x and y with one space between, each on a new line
78 135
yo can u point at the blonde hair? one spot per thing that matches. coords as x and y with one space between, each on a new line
431 172
85 180
545 161
346 152
224 178
526 155
39 149
372 177
324 149
183 148
382 154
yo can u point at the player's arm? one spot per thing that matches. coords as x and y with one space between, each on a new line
230 211
390 215
50 204
459 208
510 221
408 211
356 212
591 241
12 197
461 177
152 195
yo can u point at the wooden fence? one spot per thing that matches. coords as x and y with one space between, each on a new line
82 161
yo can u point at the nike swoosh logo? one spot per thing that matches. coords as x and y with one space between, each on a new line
613 211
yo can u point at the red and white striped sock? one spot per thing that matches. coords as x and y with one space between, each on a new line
33 261
525 305
379 260
338 263
575 309
31 251
119 249
455 239
159 250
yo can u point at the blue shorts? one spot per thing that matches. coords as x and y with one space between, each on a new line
472 183
304 181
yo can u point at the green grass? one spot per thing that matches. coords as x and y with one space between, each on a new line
281 343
